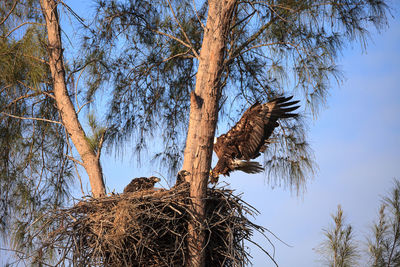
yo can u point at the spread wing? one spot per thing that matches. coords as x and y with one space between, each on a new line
250 135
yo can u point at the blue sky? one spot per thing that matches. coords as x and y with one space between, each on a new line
356 140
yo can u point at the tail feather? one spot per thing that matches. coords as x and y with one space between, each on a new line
247 166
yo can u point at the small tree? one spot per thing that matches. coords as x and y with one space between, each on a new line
69 117
37 121
339 249
35 173
384 246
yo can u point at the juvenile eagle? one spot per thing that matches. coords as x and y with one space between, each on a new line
181 177
250 137
142 183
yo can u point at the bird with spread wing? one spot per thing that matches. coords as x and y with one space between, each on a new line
250 137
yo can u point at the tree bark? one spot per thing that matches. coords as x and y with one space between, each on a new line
203 120
69 118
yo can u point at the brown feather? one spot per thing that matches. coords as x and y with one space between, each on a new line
141 183
249 137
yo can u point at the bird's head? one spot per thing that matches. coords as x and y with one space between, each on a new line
154 179
213 177
183 173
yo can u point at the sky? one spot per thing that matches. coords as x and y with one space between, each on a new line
356 140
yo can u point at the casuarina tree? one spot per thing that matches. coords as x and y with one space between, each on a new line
180 66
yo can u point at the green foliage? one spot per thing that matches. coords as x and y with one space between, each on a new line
35 174
289 159
384 246
98 132
339 249
151 75
146 53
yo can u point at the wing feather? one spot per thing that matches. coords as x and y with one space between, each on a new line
250 135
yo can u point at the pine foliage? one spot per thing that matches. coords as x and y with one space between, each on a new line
339 248
384 246
35 174
147 52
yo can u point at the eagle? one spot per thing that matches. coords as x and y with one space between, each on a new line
141 183
181 177
250 137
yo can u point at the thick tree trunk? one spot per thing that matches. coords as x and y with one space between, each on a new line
203 119
69 117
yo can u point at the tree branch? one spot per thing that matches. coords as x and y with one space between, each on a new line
197 15
242 20
38 59
19 98
178 55
30 118
5 88
74 159
175 38
81 107
9 13
19 26
266 89
37 90
182 30
237 51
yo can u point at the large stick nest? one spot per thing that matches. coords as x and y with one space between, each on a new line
150 228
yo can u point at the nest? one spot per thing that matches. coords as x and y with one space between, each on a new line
150 228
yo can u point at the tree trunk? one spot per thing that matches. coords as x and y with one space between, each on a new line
203 120
69 118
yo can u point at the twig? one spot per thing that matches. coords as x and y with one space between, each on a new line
174 38
197 15
9 13
74 159
19 26
81 107
31 118
182 30
18 99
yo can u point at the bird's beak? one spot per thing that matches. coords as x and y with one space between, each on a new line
157 179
